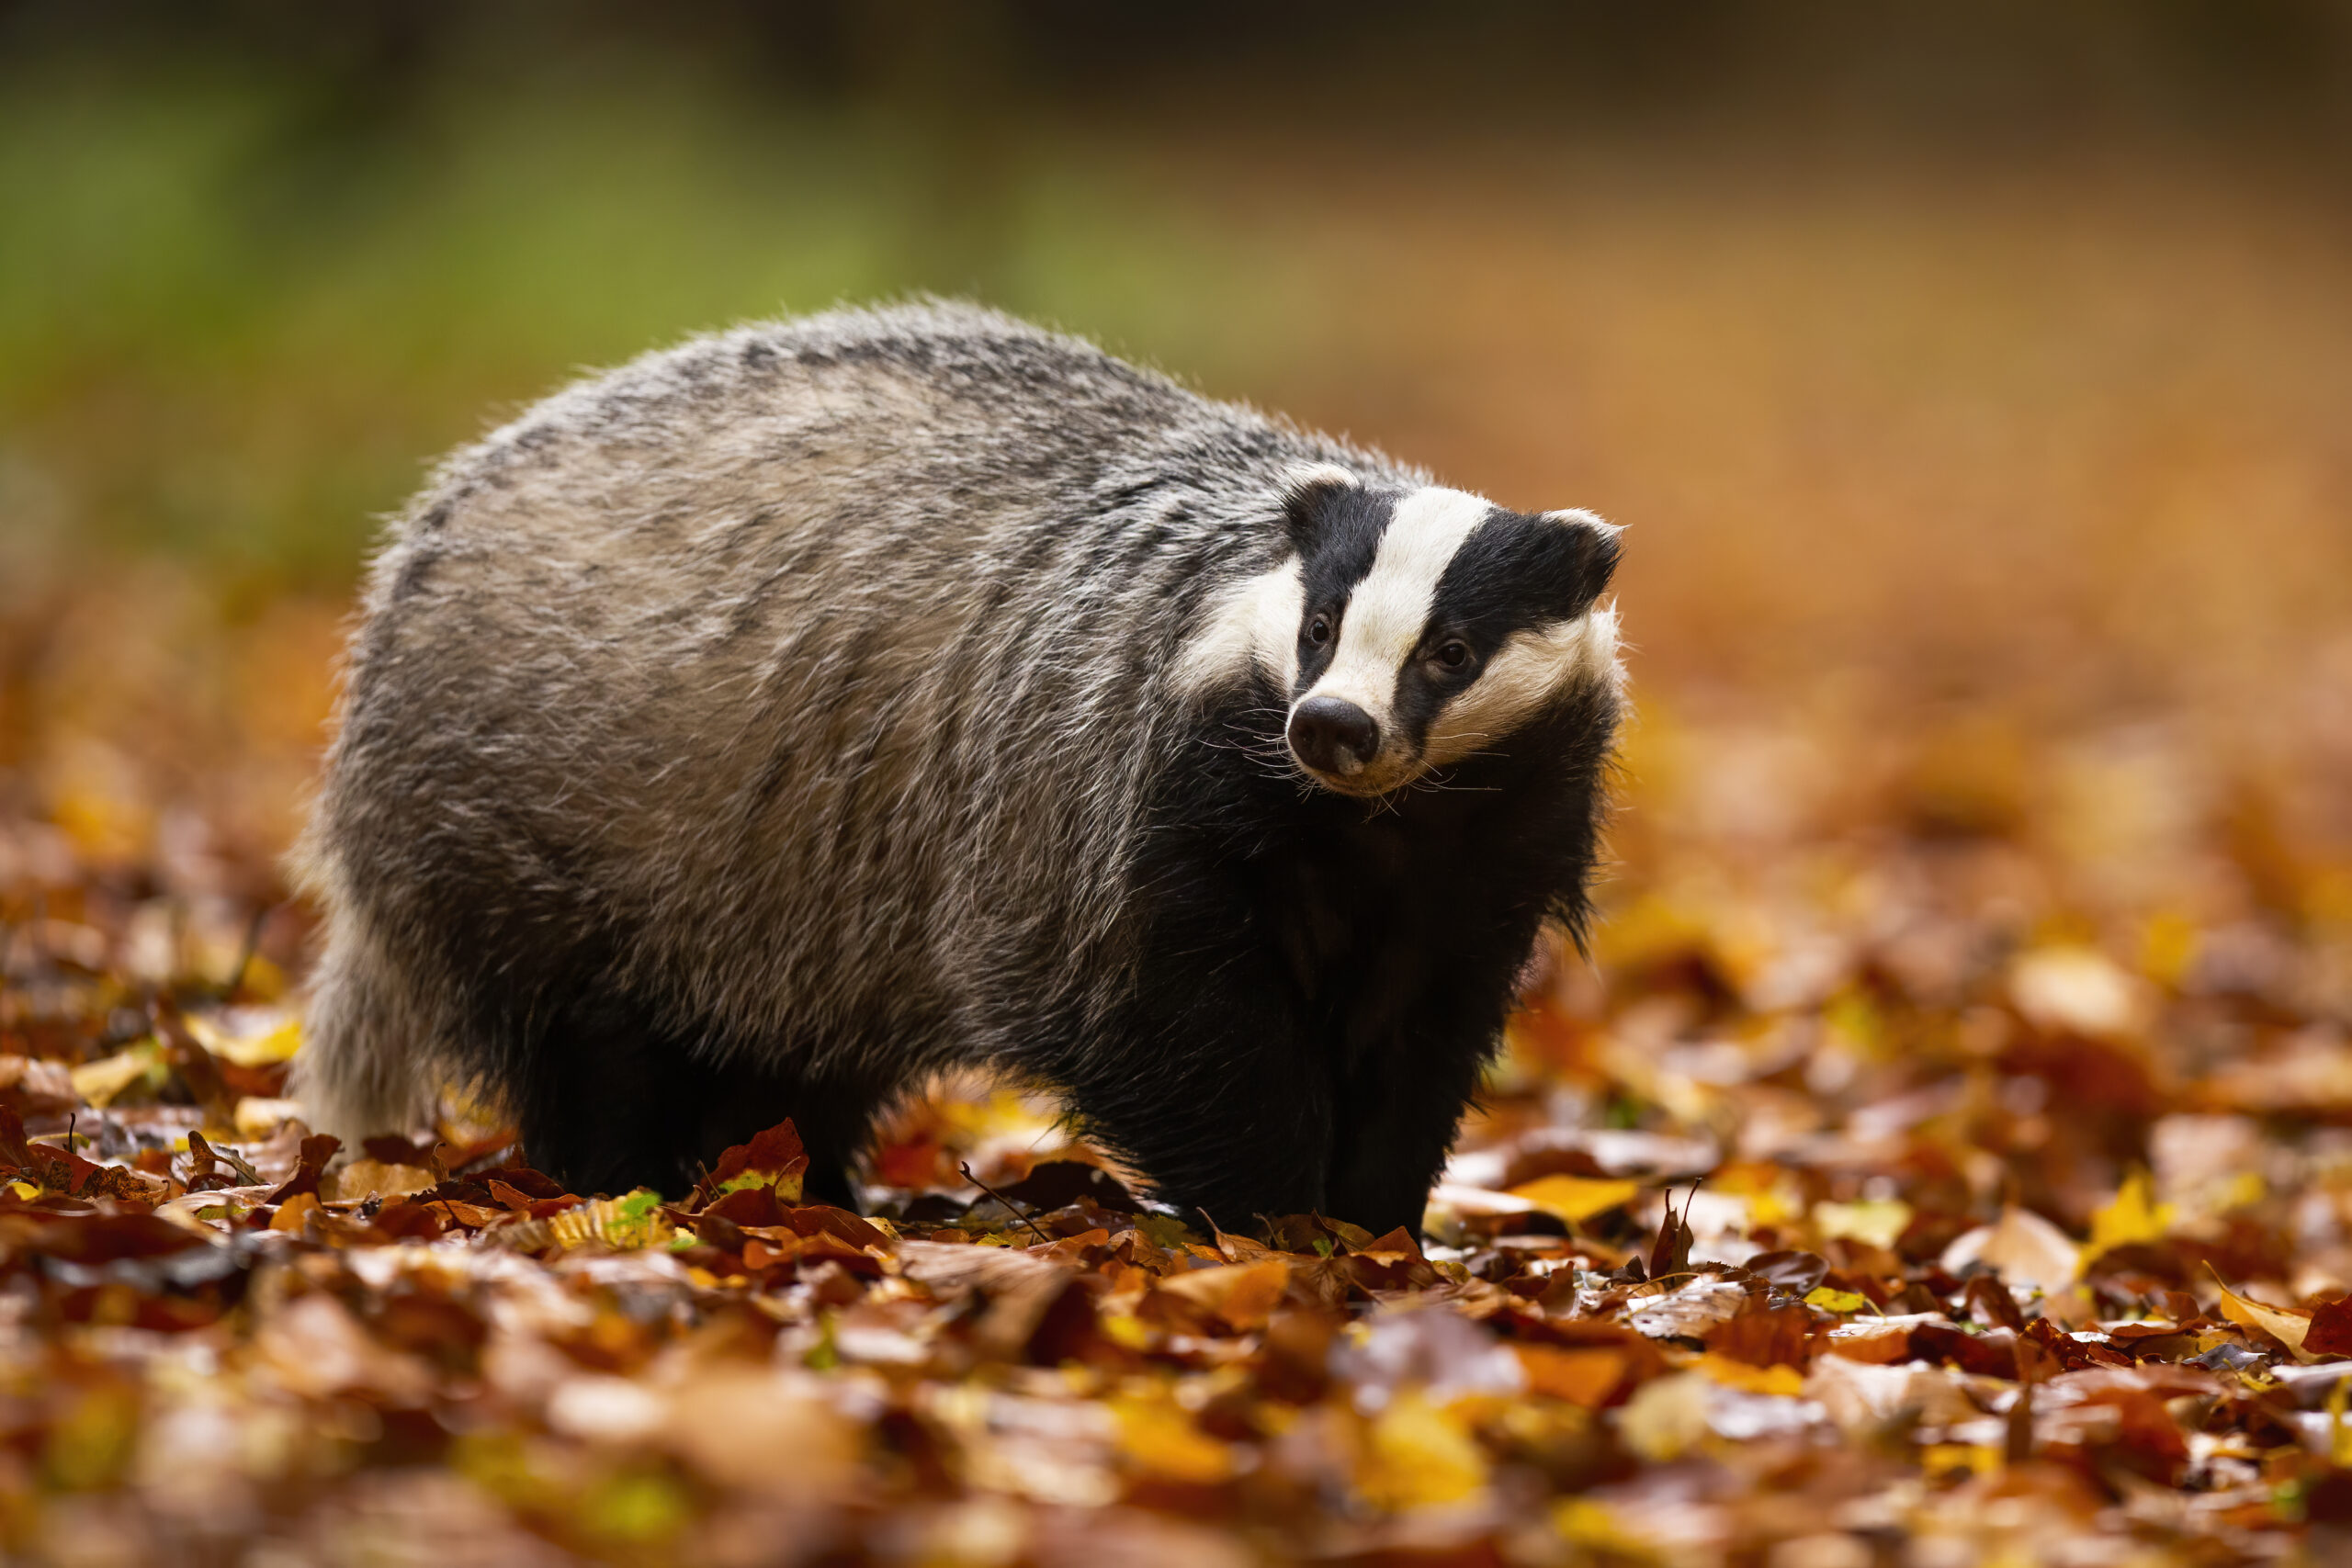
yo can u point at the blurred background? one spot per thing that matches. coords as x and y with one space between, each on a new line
1973 380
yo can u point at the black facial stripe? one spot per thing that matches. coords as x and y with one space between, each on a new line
1339 541
1518 571
1514 572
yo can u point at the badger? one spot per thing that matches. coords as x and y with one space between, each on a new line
790 716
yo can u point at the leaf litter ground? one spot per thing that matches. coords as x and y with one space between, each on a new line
1927 1169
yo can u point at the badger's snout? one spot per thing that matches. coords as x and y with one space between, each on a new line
1332 735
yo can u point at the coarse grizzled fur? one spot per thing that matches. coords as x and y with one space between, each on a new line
780 719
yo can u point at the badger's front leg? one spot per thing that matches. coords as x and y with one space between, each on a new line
1397 1116
1214 1095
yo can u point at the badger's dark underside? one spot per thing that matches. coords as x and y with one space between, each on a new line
1317 984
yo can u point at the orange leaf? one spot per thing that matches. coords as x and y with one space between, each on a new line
1586 1377
1243 1295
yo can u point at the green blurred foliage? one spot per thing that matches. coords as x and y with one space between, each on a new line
225 332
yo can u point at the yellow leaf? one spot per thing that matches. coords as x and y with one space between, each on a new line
642 1506
631 1220
1876 1221
1666 1418
1786 1381
1576 1199
1419 1457
2167 943
1977 1459
2339 1437
1827 1299
100 1082
276 1044
2240 1189
2282 1323
1158 1436
2133 1216
291 1214
1125 1329
1589 1523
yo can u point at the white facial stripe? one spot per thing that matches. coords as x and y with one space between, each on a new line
1256 619
1574 516
1390 608
1522 676
1315 476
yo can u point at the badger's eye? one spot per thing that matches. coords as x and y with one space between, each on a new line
1319 631
1453 655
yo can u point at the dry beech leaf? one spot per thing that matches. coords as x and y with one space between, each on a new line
2025 1248
1576 1199
1243 1295
1685 1307
1158 1436
1587 1376
366 1178
2286 1324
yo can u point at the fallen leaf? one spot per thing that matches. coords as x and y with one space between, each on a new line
374 1178
1242 1295
1158 1438
1685 1308
2330 1333
2132 1216
1419 1455
774 1159
1585 1377
2079 990
1576 1199
2289 1325
145 1065
291 1213
629 1221
2024 1247
1666 1418
1877 1220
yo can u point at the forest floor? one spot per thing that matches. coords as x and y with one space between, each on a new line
1943 1158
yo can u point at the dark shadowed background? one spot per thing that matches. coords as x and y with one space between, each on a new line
1967 376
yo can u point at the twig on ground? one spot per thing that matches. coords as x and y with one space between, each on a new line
1008 1202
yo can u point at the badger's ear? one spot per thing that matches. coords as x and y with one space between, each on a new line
1307 492
1592 551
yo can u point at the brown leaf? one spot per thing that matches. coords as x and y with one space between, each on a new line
2330 1333
310 1166
774 1159
1780 1337
1671 1254
1241 1295
31 1087
1591 1377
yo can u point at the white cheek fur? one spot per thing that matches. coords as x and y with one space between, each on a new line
1523 675
1252 622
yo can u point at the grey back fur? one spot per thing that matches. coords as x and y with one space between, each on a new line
823 668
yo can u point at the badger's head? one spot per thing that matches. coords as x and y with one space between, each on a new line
1415 627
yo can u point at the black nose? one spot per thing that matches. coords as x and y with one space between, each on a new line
1332 735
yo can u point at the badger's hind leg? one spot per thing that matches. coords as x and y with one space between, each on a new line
611 1098
366 1065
